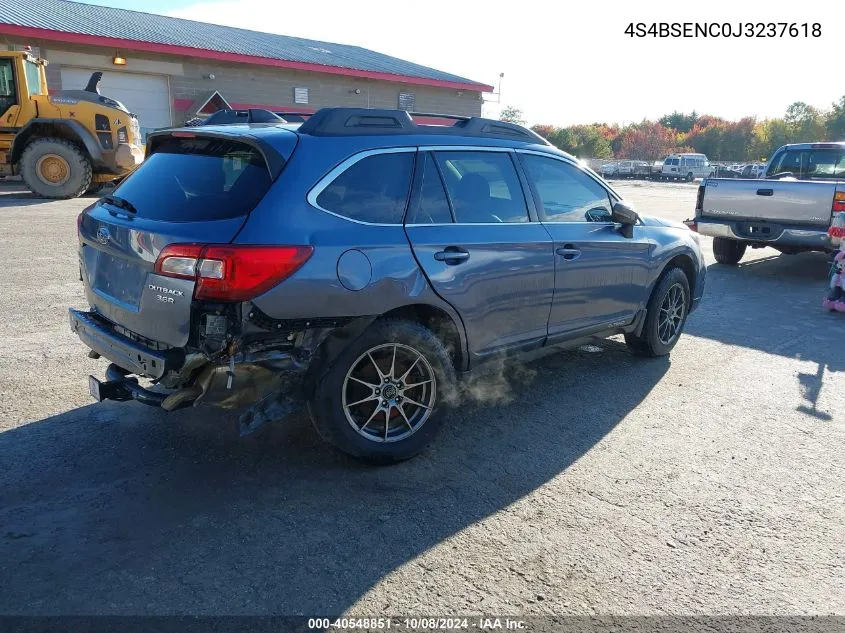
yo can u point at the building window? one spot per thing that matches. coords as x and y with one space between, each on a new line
406 100
300 95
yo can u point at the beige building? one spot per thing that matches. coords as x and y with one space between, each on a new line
168 70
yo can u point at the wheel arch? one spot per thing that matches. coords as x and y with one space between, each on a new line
443 324
72 131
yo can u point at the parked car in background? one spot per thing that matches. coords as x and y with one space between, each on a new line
686 167
753 170
789 210
359 263
609 170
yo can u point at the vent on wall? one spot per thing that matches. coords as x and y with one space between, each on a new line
407 101
300 95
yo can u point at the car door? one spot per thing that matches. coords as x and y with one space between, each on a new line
601 276
470 229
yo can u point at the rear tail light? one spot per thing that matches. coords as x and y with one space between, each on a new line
231 272
692 225
839 201
699 200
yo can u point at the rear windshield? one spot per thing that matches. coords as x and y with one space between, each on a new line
810 164
196 179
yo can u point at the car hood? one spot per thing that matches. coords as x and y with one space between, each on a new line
651 220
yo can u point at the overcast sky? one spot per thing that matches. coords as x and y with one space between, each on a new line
568 62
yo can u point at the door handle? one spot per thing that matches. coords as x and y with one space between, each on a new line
452 255
569 252
765 192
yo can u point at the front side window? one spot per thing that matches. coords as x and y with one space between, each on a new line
33 77
789 162
374 189
7 80
483 186
566 193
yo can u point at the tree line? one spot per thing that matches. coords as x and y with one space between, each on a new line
743 140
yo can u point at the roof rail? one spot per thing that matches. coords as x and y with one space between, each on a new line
370 122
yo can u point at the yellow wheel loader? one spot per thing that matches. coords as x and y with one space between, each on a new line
62 145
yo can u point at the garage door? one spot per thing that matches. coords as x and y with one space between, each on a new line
144 95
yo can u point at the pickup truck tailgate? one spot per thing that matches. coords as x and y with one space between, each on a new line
785 201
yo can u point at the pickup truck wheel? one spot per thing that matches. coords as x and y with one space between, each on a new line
728 251
666 315
382 399
55 168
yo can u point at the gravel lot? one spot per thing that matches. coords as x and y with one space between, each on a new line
592 482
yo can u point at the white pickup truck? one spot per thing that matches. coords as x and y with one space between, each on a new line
789 209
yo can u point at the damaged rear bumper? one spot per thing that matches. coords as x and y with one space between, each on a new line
263 386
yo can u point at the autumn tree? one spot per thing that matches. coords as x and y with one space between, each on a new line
647 141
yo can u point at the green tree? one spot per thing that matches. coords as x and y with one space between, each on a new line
805 122
679 121
512 114
836 122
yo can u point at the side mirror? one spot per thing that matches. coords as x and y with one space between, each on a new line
624 214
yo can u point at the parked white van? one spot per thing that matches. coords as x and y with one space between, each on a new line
686 167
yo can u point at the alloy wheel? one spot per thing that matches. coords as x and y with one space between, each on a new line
671 315
389 392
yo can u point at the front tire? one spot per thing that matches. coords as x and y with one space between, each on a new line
55 168
381 400
728 251
666 316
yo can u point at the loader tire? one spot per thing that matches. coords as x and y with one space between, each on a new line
55 168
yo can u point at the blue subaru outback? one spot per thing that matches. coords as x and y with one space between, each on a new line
360 263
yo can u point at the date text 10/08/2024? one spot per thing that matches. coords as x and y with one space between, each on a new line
724 29
419 624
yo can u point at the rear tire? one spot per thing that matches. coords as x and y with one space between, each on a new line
728 251
55 168
690 177
363 405
666 316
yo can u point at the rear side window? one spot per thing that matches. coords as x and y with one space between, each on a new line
432 206
374 189
197 179
483 186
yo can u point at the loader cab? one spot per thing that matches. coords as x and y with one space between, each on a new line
21 77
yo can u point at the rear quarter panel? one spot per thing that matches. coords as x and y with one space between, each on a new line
356 269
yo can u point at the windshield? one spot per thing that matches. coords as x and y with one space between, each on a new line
194 179
33 77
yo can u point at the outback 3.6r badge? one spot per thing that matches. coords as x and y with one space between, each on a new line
165 295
